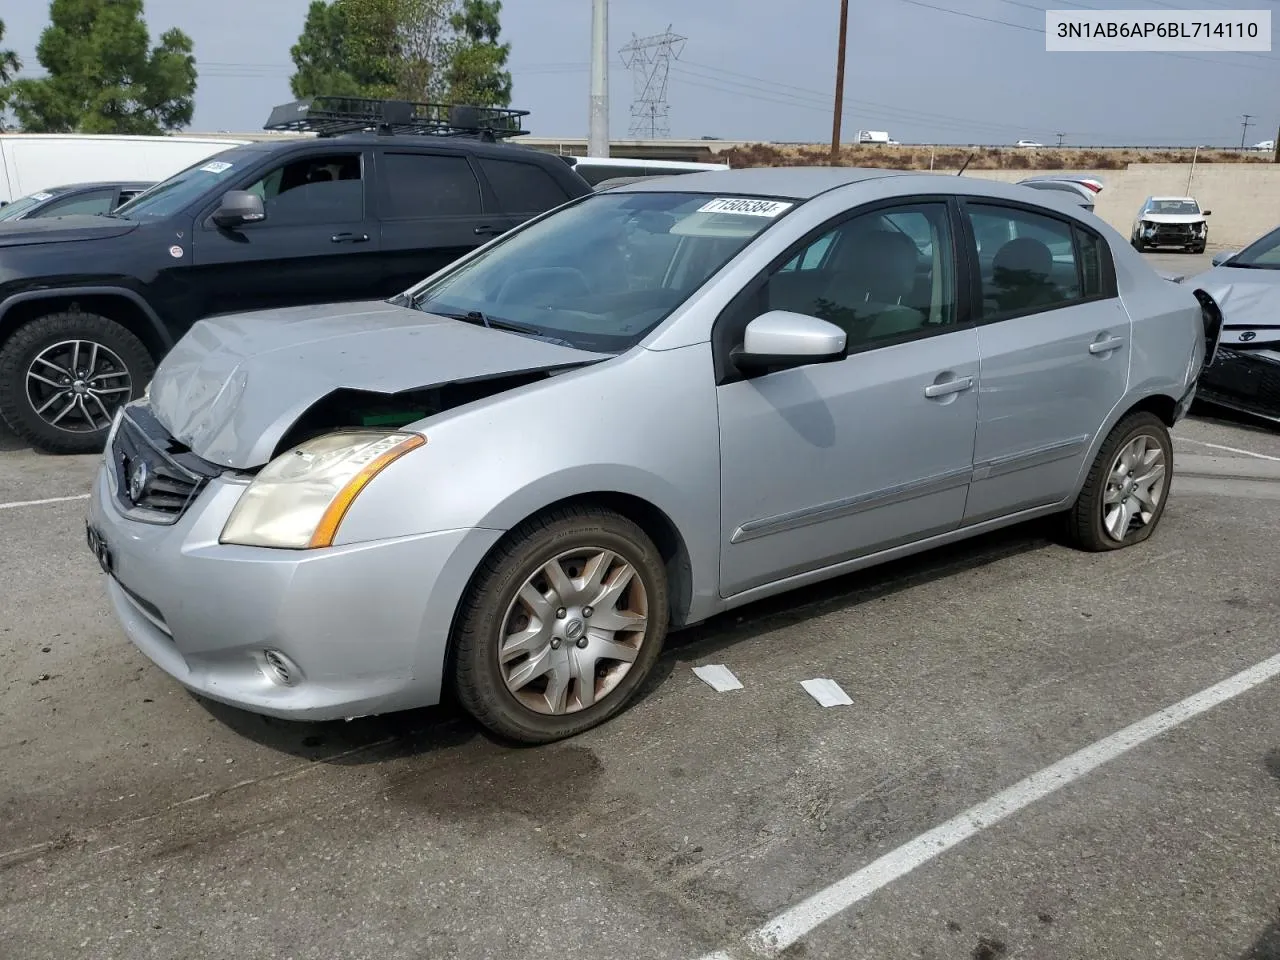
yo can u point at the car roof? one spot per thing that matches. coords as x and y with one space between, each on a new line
466 142
795 183
98 185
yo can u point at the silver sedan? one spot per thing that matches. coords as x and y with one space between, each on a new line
648 406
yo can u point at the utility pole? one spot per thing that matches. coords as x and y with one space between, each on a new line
1060 138
1275 155
1244 128
598 130
835 120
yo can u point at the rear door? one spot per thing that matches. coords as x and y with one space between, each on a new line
1055 343
433 209
318 243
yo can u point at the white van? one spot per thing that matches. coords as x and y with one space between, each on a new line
30 162
595 169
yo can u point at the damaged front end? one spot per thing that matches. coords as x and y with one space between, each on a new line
1245 375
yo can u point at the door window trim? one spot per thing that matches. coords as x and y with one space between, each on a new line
1109 289
962 272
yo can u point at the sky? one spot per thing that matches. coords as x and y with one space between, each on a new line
925 71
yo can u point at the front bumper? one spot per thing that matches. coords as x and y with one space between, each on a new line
1247 380
1172 235
361 629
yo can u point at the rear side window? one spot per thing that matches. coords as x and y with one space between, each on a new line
1027 261
420 186
86 203
1089 249
522 187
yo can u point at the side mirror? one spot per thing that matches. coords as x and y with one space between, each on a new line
779 339
239 207
1220 258
1208 213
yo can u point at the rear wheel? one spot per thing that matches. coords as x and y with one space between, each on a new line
1124 496
561 626
64 375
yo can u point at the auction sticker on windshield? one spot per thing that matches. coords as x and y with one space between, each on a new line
750 208
216 166
41 196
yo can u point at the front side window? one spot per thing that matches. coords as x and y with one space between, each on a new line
90 203
315 189
1027 261
880 276
602 273
422 186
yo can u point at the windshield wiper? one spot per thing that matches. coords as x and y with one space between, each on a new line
499 323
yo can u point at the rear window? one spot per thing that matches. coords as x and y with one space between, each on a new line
422 185
522 187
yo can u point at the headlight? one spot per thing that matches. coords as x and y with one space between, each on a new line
298 499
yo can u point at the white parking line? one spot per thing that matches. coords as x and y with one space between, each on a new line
13 505
794 923
1218 446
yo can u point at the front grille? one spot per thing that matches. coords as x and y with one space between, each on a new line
1244 377
1174 233
156 478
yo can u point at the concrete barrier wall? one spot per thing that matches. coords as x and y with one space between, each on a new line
1244 197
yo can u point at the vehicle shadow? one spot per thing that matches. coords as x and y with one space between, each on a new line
9 441
1267 946
1220 416
371 740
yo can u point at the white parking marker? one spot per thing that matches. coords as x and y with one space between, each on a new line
717 676
826 692
38 503
796 922
1218 446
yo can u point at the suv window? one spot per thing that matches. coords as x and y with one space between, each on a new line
880 276
522 187
88 203
316 189
421 185
1027 261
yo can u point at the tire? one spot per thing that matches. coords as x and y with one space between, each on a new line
1137 244
120 358
1085 522
491 610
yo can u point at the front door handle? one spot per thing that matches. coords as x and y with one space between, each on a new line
349 237
948 387
1106 346
487 230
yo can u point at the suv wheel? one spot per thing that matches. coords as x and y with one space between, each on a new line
64 375
561 626
1124 496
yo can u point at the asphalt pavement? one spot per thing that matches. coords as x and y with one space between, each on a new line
137 821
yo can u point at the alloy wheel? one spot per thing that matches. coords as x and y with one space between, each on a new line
1136 485
77 385
573 630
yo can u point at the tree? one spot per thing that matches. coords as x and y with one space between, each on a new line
9 62
476 67
102 78
372 48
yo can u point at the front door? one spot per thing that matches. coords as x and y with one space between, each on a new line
1054 340
319 242
831 461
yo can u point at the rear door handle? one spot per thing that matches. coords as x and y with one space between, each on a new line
349 237
487 230
1106 346
950 386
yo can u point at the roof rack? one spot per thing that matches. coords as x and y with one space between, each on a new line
331 116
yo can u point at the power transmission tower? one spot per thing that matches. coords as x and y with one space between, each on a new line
1245 128
649 60
1060 138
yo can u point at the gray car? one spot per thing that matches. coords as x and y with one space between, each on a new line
648 406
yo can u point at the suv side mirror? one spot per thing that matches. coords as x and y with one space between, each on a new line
239 207
1220 258
1208 213
779 339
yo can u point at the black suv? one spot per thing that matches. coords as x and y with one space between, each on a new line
386 193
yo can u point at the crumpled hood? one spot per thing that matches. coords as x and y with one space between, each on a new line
1171 217
1249 301
233 385
62 229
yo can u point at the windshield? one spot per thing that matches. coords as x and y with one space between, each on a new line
1172 206
1263 253
180 190
602 273
12 211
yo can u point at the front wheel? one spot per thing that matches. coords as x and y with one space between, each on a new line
1125 493
64 375
561 626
